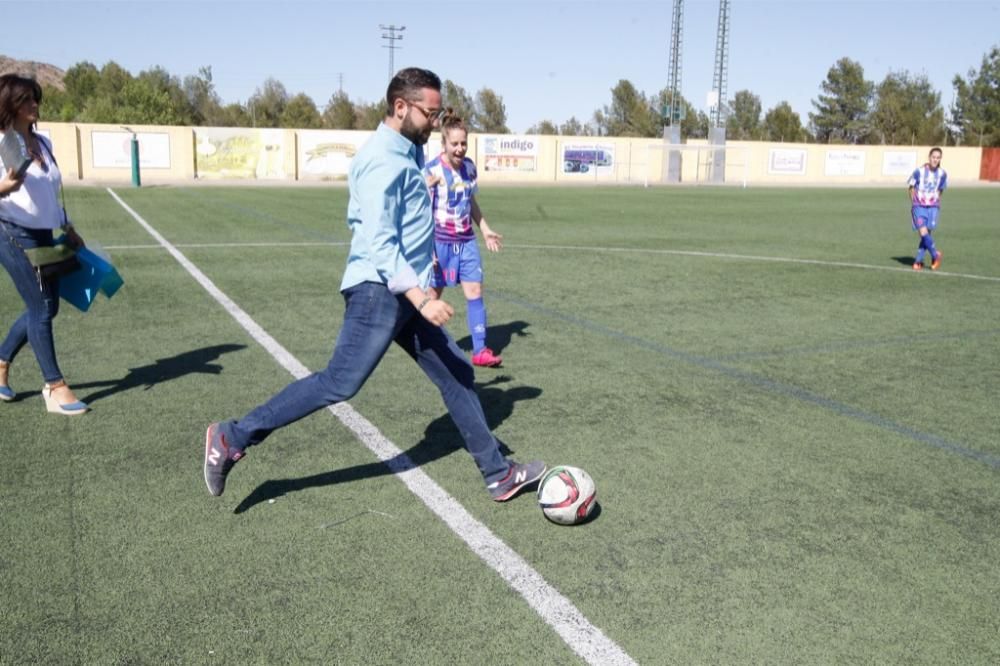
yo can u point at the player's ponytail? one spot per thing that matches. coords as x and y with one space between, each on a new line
450 121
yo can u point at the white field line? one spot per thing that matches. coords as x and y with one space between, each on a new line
156 246
749 257
580 635
624 250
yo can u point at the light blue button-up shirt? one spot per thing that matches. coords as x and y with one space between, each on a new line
389 215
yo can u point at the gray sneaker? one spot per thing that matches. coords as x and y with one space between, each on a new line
518 477
219 459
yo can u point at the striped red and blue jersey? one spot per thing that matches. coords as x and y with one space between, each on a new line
451 199
928 184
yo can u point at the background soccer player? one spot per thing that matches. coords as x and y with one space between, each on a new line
452 179
926 185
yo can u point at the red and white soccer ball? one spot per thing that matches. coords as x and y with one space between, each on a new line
567 495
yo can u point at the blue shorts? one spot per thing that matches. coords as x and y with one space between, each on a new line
456 262
925 216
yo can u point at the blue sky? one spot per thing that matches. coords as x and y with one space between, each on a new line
548 59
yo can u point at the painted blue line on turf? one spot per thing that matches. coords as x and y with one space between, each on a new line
789 390
903 340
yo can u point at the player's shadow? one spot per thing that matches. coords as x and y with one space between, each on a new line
441 438
498 337
196 361
906 261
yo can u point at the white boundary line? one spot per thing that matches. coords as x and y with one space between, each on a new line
749 257
581 248
580 635
156 246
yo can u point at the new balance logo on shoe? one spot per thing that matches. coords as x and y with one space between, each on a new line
218 460
517 479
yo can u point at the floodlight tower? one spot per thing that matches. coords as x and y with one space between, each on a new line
391 36
721 77
674 67
673 111
719 108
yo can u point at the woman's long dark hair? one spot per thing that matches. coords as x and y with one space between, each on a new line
15 90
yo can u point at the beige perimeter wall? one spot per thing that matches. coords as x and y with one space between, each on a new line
102 154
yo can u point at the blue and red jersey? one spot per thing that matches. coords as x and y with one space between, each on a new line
928 184
451 199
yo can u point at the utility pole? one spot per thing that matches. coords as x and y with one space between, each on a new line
390 36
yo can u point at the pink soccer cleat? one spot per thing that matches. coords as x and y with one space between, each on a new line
486 358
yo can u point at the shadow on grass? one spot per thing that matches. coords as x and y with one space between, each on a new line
906 261
197 361
498 337
441 438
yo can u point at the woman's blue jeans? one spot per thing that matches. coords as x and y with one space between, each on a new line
374 318
34 325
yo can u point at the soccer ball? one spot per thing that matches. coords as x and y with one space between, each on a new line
567 495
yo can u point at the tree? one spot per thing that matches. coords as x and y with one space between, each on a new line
630 113
842 113
573 127
339 112
781 123
111 81
491 114
81 82
695 123
453 96
546 127
743 122
907 111
160 81
267 104
206 106
975 116
300 112
368 116
139 101
234 115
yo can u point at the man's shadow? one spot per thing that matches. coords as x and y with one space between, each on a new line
906 261
499 336
441 438
197 361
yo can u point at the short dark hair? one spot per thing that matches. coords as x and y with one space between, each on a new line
935 149
15 90
407 84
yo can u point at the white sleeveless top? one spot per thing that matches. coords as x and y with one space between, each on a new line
36 204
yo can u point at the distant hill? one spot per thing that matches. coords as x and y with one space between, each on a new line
49 76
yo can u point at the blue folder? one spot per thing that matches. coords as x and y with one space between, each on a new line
96 274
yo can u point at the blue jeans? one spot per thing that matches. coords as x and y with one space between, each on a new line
374 318
34 325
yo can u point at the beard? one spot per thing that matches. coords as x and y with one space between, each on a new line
418 136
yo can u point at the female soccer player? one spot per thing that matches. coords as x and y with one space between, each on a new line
452 179
926 185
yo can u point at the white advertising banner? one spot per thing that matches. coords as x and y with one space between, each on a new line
588 158
327 154
113 150
899 162
509 153
845 163
787 161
